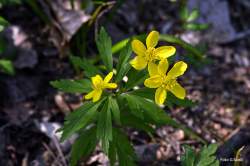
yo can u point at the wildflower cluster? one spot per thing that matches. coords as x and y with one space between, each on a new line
117 104
159 78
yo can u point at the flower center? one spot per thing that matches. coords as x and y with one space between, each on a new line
150 54
168 83
99 86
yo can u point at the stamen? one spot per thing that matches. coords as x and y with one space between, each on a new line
150 55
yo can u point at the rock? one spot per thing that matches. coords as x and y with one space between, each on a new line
215 12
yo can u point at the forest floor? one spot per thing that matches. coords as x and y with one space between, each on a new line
31 109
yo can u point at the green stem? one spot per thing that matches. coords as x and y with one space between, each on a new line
183 44
167 38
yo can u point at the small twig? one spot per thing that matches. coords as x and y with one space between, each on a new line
222 121
25 159
110 5
49 150
232 133
56 142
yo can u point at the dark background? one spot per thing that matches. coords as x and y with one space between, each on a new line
31 109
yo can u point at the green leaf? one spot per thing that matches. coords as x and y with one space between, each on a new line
184 12
193 15
135 78
121 44
188 158
207 155
112 153
3 23
79 118
83 146
195 26
72 86
123 65
2 44
134 106
104 126
125 150
153 113
115 110
216 163
104 45
147 93
7 66
10 2
129 119
89 69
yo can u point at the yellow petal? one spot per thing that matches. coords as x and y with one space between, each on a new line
89 95
164 52
97 80
138 63
152 69
97 95
178 91
108 77
111 85
153 82
163 67
152 39
138 47
177 70
160 95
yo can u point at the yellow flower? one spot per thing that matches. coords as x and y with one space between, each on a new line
166 82
98 85
147 55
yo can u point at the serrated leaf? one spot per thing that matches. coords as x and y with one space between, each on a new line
79 118
104 45
207 161
112 153
104 126
130 120
153 113
208 151
216 163
83 146
123 65
188 158
7 67
89 69
72 86
207 155
135 78
193 15
115 110
134 106
125 151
